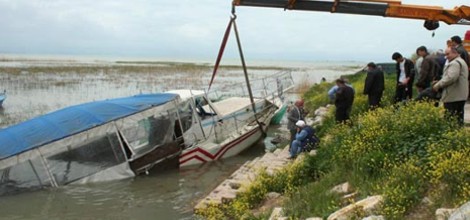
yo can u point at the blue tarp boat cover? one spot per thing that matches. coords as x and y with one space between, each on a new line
71 120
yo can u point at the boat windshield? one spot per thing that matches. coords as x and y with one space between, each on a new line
150 132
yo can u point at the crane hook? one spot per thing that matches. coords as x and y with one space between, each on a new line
234 16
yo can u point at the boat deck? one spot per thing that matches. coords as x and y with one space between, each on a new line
232 104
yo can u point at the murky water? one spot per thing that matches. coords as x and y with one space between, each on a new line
38 87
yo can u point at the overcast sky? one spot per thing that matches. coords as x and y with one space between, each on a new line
193 29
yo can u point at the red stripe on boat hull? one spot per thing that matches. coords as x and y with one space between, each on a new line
220 152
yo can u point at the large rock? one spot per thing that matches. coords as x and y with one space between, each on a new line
443 214
342 188
462 213
277 214
367 205
322 111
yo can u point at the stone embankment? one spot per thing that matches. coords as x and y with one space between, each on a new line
276 160
244 176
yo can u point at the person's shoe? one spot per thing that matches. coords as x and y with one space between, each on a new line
291 157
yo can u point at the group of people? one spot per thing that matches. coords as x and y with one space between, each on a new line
441 76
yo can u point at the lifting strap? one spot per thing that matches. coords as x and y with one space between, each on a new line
242 58
221 50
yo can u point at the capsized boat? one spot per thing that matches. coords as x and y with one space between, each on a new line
91 142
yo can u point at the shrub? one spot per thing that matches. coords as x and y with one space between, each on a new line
450 166
403 187
387 135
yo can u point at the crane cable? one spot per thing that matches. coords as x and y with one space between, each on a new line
242 58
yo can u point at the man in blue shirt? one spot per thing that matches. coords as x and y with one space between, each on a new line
305 135
334 89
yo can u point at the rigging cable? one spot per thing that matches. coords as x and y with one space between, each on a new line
242 57
245 71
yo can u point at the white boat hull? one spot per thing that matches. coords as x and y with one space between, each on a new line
206 153
231 126
235 142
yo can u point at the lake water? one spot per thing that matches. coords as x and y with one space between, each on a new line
36 87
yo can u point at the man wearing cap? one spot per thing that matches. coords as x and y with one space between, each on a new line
305 135
295 114
374 85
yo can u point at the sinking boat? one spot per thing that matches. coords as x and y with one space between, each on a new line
121 138
91 142
227 126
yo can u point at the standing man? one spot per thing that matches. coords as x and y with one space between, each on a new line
418 63
454 84
405 77
343 101
374 85
429 69
456 42
295 114
334 89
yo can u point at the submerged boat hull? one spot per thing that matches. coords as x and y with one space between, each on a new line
166 152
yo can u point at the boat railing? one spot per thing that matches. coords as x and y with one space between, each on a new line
266 87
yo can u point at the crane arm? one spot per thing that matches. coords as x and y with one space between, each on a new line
385 8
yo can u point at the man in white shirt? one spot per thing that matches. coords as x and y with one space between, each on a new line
405 77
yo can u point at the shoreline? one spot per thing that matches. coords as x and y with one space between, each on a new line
262 63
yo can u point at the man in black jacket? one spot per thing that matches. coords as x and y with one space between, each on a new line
457 43
343 101
374 85
405 77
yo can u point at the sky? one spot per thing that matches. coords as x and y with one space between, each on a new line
193 30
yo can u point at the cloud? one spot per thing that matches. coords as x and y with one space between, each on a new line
189 29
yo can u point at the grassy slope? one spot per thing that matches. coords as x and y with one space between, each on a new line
404 152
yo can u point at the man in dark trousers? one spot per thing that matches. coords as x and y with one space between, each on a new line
429 71
454 84
405 77
343 101
374 85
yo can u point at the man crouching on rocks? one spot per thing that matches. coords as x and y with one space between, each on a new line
304 138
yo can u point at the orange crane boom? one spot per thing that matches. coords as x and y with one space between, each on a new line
386 8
